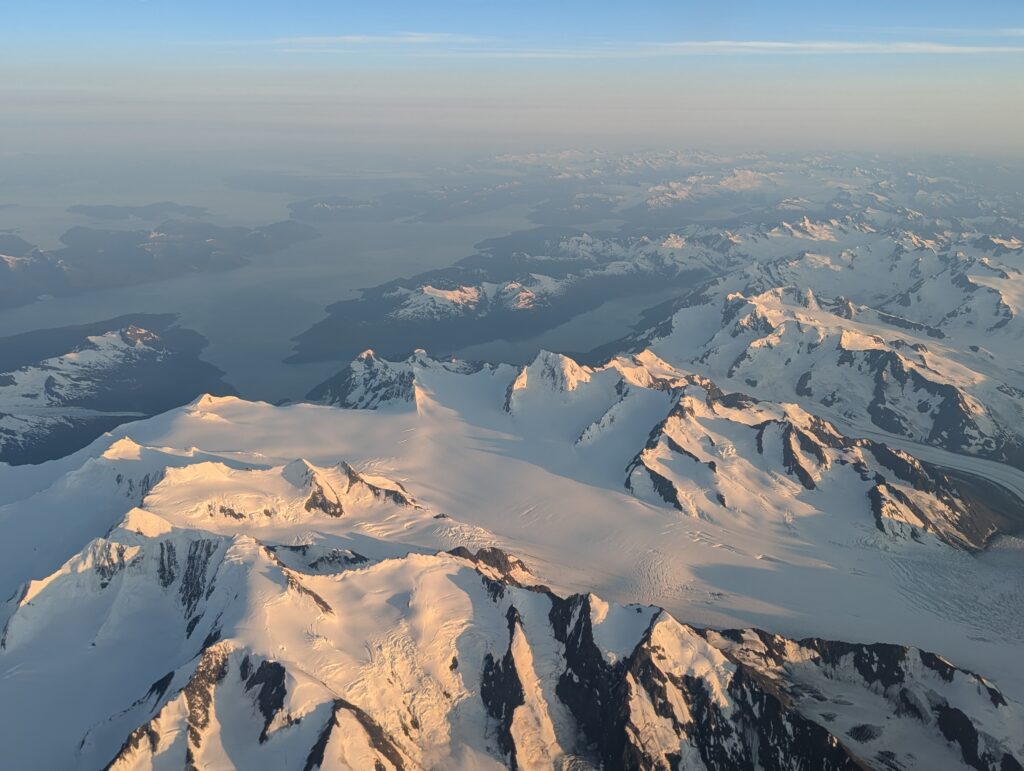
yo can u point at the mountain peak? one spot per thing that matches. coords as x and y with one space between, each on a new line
368 383
299 473
555 371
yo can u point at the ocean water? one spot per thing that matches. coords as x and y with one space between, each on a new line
250 314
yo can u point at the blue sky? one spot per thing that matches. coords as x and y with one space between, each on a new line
219 76
389 32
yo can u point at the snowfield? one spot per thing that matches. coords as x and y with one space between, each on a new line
271 586
776 525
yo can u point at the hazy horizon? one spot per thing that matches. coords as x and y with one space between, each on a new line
280 85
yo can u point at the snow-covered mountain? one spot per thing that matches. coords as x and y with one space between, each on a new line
55 405
776 526
555 565
467 668
849 361
307 617
705 449
931 251
517 286
370 382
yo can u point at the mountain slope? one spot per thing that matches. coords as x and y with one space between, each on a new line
778 526
242 607
425 660
50 407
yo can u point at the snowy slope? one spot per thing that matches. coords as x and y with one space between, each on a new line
447 660
838 358
210 597
51 407
776 527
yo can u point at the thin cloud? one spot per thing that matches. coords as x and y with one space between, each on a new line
827 47
445 45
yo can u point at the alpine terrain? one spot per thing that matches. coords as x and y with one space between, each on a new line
772 523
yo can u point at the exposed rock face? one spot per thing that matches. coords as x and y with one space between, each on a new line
817 432
852 361
315 616
712 445
368 383
664 695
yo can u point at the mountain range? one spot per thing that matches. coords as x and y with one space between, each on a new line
775 525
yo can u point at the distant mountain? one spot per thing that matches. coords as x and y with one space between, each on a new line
516 287
950 262
98 259
51 405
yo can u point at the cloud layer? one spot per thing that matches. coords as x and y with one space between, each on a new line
436 44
